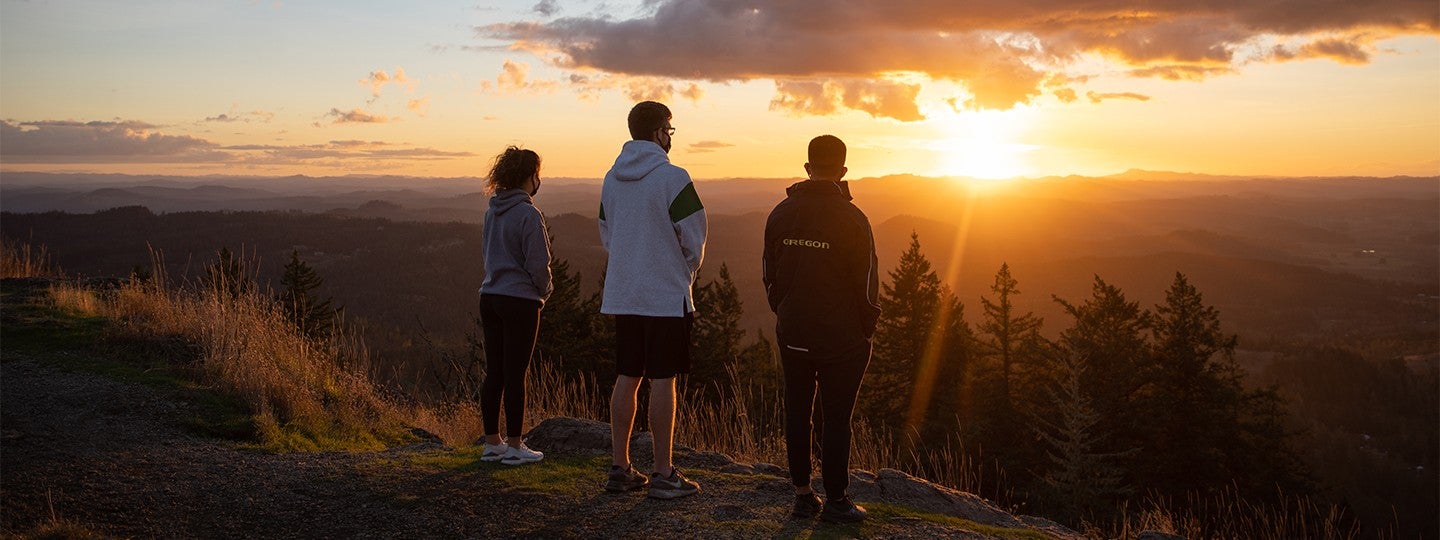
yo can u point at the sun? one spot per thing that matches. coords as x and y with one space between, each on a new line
983 144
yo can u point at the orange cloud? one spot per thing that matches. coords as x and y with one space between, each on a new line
881 99
419 106
703 147
378 79
356 116
233 116
515 77
1001 51
635 88
1095 97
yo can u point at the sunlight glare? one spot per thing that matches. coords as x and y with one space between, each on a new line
984 144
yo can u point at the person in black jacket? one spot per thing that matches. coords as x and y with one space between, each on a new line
822 284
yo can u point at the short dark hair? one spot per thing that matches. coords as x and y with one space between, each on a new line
827 154
512 167
646 117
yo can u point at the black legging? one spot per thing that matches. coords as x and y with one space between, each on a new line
510 325
838 379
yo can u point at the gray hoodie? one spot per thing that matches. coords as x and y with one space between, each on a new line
517 248
653 227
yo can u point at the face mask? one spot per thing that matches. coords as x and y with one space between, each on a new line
535 188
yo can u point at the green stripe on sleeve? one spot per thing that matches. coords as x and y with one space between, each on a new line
685 204
602 211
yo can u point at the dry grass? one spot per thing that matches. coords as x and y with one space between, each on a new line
21 260
1227 515
302 396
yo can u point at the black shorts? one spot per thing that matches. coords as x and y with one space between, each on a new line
652 347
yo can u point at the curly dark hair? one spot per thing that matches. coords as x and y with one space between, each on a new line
512 167
646 117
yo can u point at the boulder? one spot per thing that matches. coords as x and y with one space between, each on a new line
897 487
570 435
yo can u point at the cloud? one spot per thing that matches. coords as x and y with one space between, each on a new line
589 87
1000 51
1352 50
1180 72
121 141
546 7
881 99
514 77
233 116
1095 97
67 141
356 116
708 146
420 107
378 79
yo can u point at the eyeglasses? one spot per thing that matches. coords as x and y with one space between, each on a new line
668 130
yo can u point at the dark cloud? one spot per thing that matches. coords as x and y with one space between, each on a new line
67 142
547 8
1000 50
99 142
1344 50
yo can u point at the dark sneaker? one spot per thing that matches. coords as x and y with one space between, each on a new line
807 506
674 487
842 510
626 479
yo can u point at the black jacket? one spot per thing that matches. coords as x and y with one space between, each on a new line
820 270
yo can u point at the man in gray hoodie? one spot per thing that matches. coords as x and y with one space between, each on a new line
653 227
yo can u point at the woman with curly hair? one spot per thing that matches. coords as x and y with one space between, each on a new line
517 282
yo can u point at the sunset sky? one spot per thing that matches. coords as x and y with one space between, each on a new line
983 88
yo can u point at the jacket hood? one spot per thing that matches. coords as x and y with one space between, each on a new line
820 187
637 159
505 200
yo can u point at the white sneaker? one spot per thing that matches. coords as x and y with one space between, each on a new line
494 452
523 454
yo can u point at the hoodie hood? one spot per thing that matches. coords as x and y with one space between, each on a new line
505 200
637 159
820 187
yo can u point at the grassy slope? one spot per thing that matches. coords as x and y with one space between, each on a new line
30 330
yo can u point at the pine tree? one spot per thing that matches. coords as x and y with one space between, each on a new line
1108 340
568 331
717 335
951 400
908 305
1012 347
312 316
921 349
1207 430
1082 479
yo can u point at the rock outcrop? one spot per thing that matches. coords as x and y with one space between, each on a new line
575 436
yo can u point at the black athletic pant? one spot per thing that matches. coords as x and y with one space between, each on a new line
838 380
510 325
